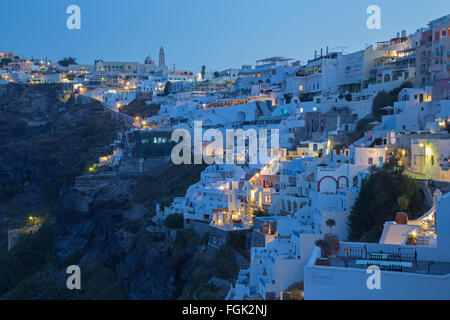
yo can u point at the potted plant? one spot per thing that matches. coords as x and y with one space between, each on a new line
403 203
323 260
331 223
332 238
411 240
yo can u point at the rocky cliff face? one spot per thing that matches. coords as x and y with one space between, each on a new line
48 141
45 138
93 229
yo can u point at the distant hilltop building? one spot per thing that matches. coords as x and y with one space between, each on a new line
162 58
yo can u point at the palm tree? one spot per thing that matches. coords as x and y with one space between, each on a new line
331 223
203 72
322 244
403 202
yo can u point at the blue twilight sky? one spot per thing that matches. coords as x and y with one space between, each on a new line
215 33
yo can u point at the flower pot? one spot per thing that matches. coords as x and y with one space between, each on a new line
333 241
322 262
401 218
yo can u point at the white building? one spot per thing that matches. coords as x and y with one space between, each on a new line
408 272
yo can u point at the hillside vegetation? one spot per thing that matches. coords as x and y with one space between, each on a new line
378 202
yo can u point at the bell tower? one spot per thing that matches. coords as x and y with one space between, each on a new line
162 59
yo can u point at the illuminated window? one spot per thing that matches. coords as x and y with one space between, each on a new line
300 87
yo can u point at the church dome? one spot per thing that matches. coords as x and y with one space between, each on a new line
149 60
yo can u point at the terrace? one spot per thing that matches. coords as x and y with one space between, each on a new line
387 257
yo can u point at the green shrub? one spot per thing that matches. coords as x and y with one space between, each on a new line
296 294
377 202
174 221
225 263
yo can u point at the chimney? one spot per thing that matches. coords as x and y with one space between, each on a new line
321 52
327 50
398 34
403 33
315 54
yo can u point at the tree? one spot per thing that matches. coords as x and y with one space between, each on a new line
216 74
67 62
203 72
331 223
168 88
403 202
5 61
377 202
174 221
225 262
381 100
323 245
165 203
384 99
